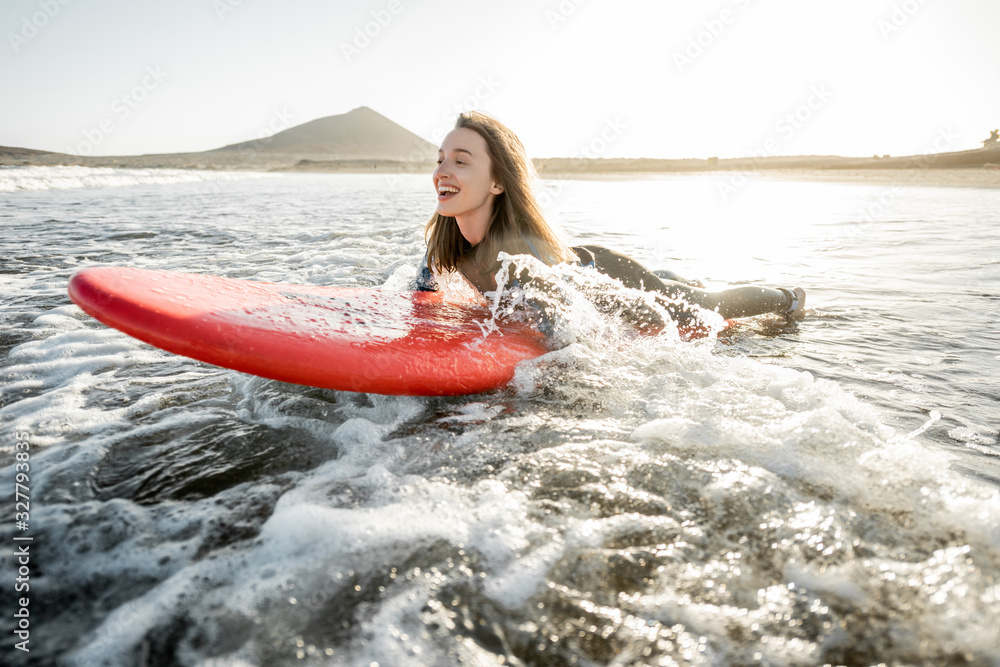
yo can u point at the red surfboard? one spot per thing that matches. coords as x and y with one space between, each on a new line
366 340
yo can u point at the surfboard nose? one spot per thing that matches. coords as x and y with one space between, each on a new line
89 290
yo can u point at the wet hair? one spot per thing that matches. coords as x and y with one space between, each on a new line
516 220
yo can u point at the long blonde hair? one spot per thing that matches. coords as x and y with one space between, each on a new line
516 224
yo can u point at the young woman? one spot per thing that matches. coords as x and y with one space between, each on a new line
485 206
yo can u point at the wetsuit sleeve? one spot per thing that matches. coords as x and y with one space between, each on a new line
426 282
586 257
679 297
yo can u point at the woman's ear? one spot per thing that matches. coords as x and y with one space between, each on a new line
496 189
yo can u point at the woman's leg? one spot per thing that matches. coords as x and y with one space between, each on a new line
667 274
744 301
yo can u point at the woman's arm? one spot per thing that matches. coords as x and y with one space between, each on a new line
426 282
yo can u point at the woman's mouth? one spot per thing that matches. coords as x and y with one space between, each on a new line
446 192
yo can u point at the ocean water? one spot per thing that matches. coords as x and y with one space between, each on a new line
824 492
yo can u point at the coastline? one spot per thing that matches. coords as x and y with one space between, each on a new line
962 178
943 177
977 168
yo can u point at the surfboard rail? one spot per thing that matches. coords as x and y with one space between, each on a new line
364 340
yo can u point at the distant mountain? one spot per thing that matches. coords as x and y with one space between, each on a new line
360 140
361 134
14 153
363 140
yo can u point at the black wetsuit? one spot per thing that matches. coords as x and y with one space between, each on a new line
743 301
634 275
679 296
673 293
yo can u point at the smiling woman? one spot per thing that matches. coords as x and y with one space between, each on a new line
486 206
464 183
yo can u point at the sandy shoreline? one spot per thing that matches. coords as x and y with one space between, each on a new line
968 178
364 141
955 177
725 171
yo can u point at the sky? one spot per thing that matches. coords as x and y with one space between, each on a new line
584 78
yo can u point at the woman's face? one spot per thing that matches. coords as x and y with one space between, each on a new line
464 183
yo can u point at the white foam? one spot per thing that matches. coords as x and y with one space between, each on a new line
772 481
305 541
18 179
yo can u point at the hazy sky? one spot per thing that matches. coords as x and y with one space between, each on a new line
667 78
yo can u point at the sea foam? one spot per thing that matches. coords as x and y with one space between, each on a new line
16 179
